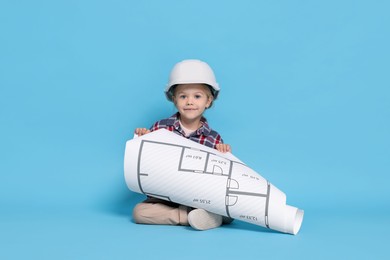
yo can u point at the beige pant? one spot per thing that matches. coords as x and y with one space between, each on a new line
157 211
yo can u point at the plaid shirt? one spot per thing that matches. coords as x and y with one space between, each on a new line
204 135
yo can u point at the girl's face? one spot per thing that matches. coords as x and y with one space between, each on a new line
191 100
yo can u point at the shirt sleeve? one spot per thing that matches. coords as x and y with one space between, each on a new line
161 125
214 140
155 126
218 140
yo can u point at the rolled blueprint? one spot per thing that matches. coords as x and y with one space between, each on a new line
164 165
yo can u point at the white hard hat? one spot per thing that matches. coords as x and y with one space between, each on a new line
192 71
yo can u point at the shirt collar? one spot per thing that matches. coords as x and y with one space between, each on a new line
204 129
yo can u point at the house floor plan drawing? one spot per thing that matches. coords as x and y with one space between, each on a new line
166 166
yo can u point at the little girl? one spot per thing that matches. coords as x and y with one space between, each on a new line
192 88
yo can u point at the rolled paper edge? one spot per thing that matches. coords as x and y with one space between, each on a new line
293 219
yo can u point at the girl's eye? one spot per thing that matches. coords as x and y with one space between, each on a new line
182 96
198 96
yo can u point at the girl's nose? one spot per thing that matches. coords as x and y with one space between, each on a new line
189 101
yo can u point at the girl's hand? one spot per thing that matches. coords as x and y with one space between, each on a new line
141 131
223 148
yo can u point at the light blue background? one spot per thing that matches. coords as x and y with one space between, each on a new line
304 101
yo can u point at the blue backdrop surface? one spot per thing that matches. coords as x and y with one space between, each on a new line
305 102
